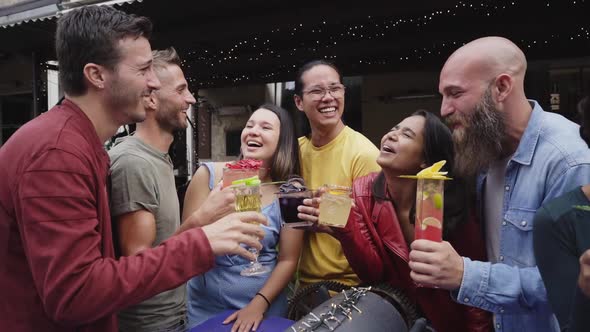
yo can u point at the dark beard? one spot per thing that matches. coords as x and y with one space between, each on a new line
482 138
168 120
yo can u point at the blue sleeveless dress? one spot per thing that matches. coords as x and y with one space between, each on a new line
223 287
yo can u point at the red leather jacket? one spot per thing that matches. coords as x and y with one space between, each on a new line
374 245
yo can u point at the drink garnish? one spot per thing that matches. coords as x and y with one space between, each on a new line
248 182
245 164
432 222
433 172
582 207
294 184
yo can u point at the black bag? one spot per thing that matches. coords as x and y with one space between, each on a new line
356 309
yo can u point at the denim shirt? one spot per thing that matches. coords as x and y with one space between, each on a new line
551 159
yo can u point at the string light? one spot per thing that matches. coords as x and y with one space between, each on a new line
326 38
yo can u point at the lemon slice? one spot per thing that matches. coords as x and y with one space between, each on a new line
432 222
432 172
249 182
337 190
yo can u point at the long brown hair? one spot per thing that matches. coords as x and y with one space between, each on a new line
285 160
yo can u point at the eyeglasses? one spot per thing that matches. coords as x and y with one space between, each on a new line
317 93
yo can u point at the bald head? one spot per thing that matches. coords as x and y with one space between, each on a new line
477 66
482 85
488 57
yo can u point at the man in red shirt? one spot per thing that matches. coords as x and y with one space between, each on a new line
58 270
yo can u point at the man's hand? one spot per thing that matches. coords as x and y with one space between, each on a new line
584 278
218 204
436 264
226 235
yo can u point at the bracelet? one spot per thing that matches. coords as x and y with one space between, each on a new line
265 299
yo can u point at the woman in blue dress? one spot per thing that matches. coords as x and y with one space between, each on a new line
268 136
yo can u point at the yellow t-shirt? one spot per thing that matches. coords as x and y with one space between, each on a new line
349 156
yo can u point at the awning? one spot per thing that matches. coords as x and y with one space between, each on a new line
66 7
25 11
31 11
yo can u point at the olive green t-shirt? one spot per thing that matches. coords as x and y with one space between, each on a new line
142 178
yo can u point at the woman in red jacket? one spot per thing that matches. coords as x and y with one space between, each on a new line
380 228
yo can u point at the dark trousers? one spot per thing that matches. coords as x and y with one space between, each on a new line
558 246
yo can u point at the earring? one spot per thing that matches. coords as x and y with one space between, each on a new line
101 86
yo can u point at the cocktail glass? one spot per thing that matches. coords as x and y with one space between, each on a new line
248 198
335 206
288 202
429 209
232 174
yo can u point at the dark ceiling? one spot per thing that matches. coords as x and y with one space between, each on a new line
237 42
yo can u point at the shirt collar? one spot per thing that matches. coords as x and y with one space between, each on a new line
87 128
526 148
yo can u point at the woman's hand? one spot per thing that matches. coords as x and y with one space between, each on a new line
218 204
249 317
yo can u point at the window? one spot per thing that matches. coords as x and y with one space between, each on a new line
233 142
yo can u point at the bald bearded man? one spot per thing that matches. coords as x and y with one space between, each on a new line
523 156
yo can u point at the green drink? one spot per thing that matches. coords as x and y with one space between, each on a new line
248 198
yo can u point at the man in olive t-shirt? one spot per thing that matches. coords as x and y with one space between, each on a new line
144 201
143 179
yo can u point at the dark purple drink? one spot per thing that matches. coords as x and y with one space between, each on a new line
288 203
